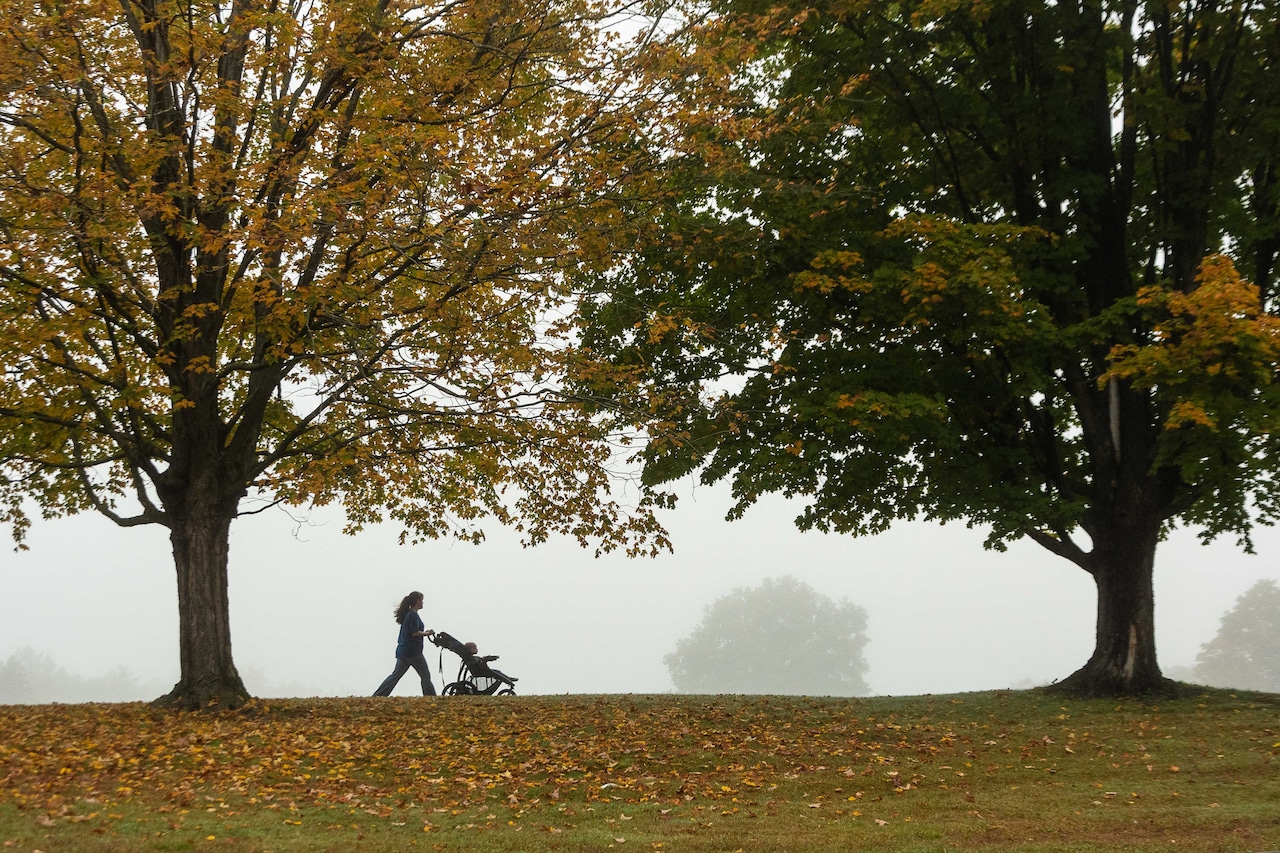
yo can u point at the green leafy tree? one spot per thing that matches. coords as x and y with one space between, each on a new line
255 253
1005 262
1246 651
781 637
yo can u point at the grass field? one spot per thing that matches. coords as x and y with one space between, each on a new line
1001 771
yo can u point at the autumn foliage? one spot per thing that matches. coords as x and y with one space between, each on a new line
256 254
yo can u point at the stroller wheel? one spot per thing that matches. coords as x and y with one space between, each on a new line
507 692
458 688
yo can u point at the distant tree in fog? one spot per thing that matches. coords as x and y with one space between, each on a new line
29 678
781 637
15 684
1246 652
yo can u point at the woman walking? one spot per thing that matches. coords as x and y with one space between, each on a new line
409 647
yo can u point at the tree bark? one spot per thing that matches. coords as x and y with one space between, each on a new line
1123 566
208 675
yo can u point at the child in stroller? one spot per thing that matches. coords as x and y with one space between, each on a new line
475 676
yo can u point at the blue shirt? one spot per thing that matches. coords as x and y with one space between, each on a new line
409 645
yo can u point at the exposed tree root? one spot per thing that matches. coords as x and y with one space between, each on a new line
227 695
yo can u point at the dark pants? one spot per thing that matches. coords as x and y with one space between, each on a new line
419 663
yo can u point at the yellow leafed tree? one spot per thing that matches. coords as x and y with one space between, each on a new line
306 252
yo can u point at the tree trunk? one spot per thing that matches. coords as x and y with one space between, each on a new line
208 676
1124 656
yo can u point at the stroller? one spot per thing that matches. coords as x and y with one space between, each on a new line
475 676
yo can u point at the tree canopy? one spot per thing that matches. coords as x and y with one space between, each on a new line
1245 654
255 252
782 637
1005 262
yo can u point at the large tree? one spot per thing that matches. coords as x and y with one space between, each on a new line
263 251
1008 262
782 637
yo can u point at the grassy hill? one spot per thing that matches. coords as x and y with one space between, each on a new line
1006 771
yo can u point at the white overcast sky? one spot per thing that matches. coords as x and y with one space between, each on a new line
311 613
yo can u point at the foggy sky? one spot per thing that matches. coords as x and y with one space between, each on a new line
311 610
